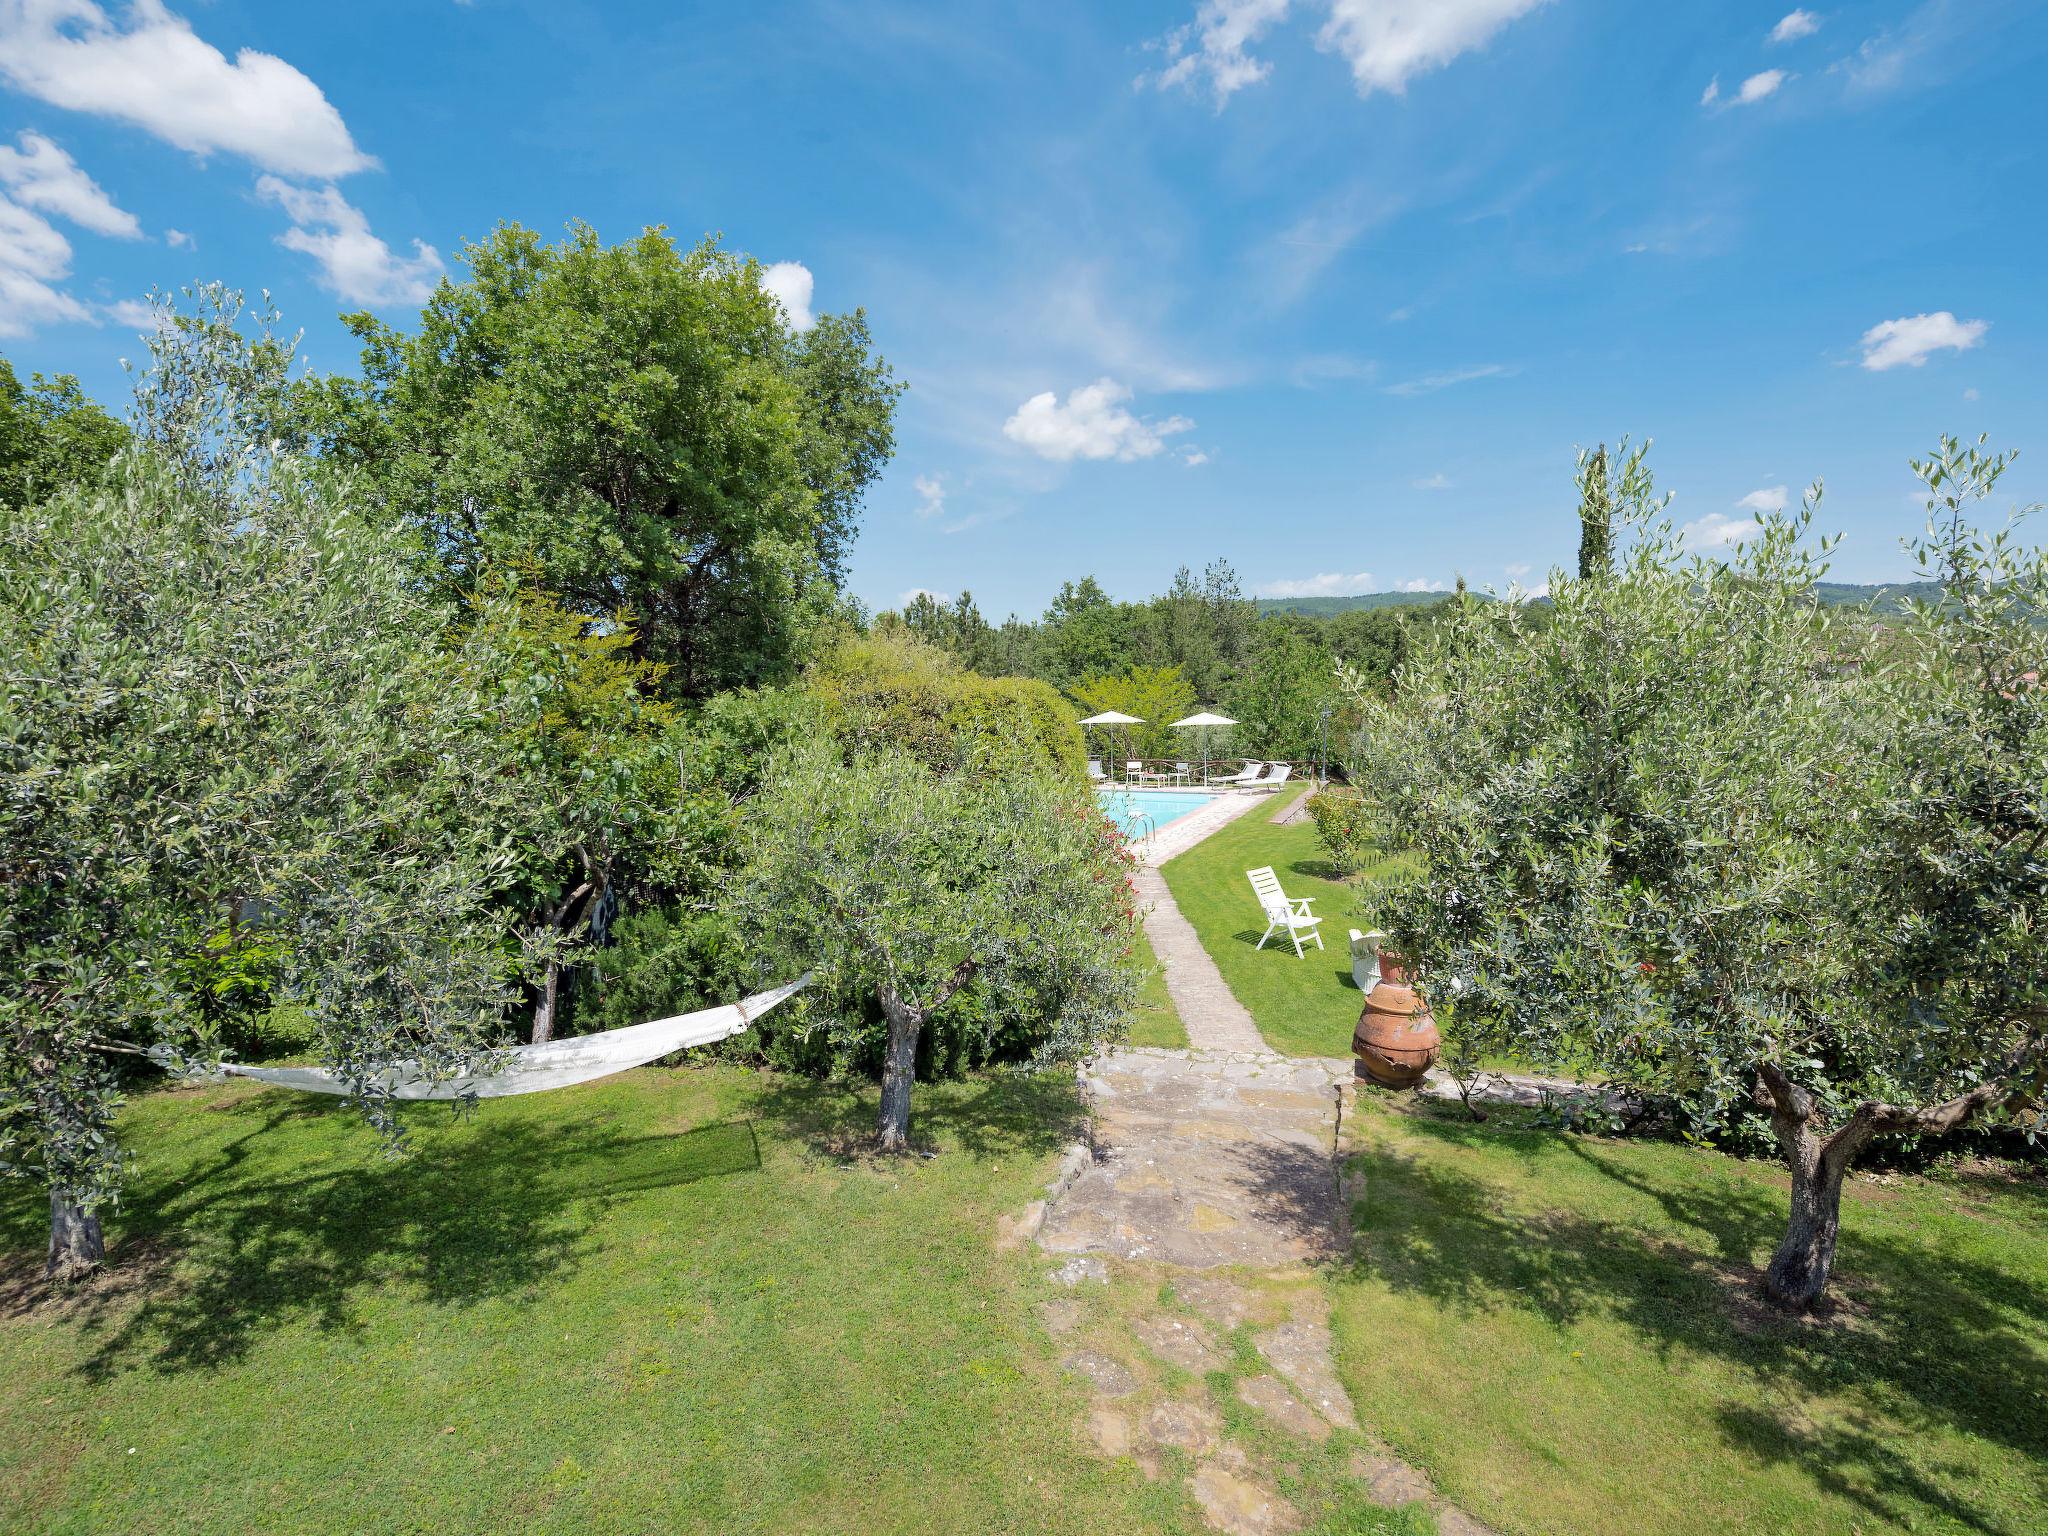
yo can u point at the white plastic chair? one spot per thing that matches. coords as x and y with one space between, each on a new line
1095 773
1182 773
1294 914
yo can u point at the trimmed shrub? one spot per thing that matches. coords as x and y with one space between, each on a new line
1344 824
899 694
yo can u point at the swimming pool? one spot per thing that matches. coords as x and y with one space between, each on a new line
1139 811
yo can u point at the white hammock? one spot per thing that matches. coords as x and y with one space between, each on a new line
556 1064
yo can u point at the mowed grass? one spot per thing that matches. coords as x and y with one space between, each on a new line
1157 1021
1561 1330
1303 1007
675 1301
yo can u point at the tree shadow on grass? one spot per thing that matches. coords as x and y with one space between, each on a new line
1317 869
494 1212
1013 1113
1928 1335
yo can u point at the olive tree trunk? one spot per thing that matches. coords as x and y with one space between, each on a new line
899 1071
1798 1272
1797 1276
899 1056
77 1246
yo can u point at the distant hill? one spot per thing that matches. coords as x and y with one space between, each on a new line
1324 607
1883 597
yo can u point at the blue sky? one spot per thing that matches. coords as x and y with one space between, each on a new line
1330 289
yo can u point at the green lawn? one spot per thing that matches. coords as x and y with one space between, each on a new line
1559 1329
1303 1007
663 1302
1158 1021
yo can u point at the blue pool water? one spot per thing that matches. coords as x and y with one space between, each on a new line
1138 811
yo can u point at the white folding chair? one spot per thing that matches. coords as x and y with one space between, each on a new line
1294 914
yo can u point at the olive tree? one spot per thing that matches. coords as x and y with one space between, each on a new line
902 888
1701 835
226 701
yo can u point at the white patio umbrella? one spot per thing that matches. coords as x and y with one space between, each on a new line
1202 722
1112 717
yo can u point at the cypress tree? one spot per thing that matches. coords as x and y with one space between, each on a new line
1596 515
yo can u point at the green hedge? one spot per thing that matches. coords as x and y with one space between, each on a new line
893 695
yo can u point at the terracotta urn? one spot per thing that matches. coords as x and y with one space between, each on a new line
1396 1041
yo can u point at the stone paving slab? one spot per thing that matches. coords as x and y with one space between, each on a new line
1211 1158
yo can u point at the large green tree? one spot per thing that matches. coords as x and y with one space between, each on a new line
1702 836
1157 696
1281 699
52 436
226 703
641 426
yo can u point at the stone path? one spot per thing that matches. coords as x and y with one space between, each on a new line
1211 1014
1205 1158
1213 1018
1187 1237
1211 1195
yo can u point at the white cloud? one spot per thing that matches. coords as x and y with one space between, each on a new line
905 599
157 73
1712 93
1421 584
1429 384
1093 424
1760 85
1717 530
790 283
177 238
41 175
1194 458
1517 571
354 263
1436 482
1881 62
34 258
135 314
1911 339
1388 42
931 494
1970 393
1212 47
1771 498
1329 584
1795 25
